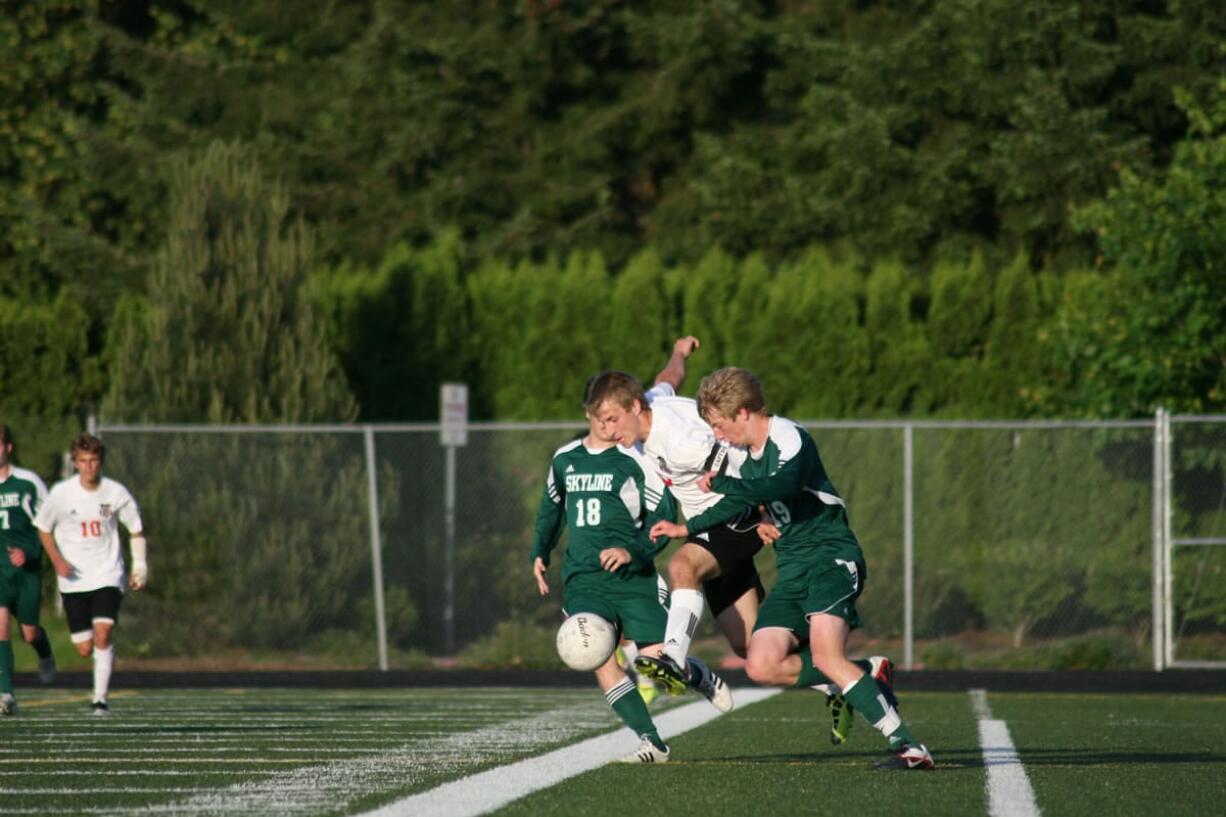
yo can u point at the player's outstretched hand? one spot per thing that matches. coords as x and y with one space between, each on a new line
538 571
768 533
704 482
17 557
613 558
668 529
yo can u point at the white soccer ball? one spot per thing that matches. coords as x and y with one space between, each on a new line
585 641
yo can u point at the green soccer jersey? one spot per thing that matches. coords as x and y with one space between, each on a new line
789 478
607 498
20 495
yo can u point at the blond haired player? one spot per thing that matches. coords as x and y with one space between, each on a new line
821 565
79 527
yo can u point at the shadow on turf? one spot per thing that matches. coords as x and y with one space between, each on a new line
973 758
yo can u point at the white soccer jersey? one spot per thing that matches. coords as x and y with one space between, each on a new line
682 447
85 525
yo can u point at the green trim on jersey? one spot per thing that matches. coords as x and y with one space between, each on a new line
605 499
20 497
789 478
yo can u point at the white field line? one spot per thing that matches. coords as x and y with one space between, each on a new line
333 786
489 790
117 790
1008 787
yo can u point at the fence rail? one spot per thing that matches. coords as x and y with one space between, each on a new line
989 543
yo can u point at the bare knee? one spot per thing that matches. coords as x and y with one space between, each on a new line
682 574
84 648
765 670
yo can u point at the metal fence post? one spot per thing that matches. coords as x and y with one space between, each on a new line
908 547
1158 630
376 545
449 554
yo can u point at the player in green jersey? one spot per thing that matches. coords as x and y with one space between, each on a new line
821 566
21 493
607 499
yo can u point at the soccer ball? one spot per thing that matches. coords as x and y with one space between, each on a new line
585 641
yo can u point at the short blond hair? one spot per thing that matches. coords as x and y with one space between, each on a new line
726 391
617 387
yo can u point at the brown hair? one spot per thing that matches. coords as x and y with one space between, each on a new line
6 434
619 387
89 444
726 391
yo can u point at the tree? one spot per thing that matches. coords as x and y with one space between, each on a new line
1148 327
228 307
229 334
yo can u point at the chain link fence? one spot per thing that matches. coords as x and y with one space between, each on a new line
1010 545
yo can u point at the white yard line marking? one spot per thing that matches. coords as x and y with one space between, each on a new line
333 786
484 792
1008 787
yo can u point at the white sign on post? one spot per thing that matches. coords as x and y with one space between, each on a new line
453 413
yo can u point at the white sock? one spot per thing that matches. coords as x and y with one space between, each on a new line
104 660
684 613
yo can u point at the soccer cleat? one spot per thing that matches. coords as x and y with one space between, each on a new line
710 686
647 752
100 709
842 716
8 704
621 659
648 690
664 671
46 669
910 756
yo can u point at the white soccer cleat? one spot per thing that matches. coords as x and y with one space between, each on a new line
8 704
647 752
710 686
909 756
46 669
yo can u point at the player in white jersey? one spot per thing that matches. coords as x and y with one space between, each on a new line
681 446
79 527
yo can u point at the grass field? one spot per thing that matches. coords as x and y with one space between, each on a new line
341 752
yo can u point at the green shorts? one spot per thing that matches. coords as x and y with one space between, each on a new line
636 604
22 593
815 585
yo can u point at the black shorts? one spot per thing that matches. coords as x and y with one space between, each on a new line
82 608
733 545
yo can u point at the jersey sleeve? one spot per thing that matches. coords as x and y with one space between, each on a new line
659 390
129 513
550 518
725 510
660 505
787 481
45 518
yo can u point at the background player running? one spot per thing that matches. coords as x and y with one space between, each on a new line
79 527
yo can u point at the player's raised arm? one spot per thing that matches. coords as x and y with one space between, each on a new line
673 372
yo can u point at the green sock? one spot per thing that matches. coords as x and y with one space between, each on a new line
871 703
809 674
629 706
6 666
42 644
